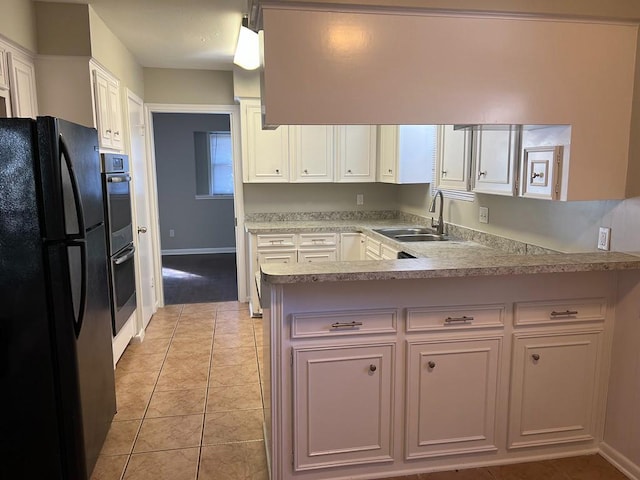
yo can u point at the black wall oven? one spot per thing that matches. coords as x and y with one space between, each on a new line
116 184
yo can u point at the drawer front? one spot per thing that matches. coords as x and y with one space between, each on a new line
458 317
278 256
363 322
317 255
560 311
317 239
372 246
388 253
272 240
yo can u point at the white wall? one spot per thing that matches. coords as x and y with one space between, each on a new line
318 197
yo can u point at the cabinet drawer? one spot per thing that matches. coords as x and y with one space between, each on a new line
317 255
388 253
277 256
372 248
456 317
276 240
305 325
560 311
317 239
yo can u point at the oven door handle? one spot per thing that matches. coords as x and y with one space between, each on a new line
119 178
124 256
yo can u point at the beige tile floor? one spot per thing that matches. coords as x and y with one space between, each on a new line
189 407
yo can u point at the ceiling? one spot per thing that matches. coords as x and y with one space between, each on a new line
197 34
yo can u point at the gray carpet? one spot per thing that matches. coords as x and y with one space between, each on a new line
199 278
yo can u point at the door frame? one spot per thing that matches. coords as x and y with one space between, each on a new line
238 198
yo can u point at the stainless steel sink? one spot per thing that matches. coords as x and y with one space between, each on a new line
412 234
421 237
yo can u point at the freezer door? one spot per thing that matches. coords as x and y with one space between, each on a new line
70 178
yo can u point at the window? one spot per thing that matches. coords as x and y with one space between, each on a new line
214 164
221 161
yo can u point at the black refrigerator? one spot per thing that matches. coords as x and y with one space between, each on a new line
57 387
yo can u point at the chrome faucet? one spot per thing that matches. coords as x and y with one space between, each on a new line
432 209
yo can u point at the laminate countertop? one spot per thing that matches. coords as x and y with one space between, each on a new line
453 258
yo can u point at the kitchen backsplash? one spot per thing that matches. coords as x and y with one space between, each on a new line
500 243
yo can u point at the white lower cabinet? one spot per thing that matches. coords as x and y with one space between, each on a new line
452 388
343 405
554 388
351 246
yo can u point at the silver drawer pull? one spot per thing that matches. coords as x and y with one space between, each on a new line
346 325
276 241
566 313
463 319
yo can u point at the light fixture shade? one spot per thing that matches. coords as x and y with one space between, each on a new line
248 49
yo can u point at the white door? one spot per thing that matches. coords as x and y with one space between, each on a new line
145 286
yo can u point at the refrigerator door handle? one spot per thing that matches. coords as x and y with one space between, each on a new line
75 191
78 299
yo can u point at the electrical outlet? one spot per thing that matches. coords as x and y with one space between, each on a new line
172 233
604 238
483 216
360 199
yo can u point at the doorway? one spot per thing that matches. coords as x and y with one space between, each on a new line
195 163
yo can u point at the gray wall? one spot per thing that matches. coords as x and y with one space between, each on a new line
197 223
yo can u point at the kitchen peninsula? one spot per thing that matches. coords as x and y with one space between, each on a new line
464 357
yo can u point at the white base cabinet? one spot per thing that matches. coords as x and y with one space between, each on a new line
452 390
383 378
553 393
343 405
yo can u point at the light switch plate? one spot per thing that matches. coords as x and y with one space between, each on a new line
360 199
483 216
604 238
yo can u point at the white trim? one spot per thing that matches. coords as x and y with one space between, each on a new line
214 197
197 251
621 462
238 199
122 339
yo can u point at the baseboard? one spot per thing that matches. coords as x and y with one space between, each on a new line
621 462
198 251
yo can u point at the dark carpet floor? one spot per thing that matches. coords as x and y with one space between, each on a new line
199 278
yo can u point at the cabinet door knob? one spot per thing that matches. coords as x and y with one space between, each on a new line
372 368
443 173
535 357
536 175
431 364
480 174
390 171
349 171
277 171
306 171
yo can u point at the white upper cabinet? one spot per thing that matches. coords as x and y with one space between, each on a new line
495 152
312 153
265 153
107 110
22 84
406 153
356 153
4 78
454 157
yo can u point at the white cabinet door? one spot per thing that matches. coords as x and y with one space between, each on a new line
4 77
312 151
356 153
108 110
406 153
266 151
553 388
451 397
351 246
277 256
342 405
317 255
495 153
454 156
115 115
22 84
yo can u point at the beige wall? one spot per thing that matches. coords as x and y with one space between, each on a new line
18 23
63 29
246 83
324 197
107 49
173 86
